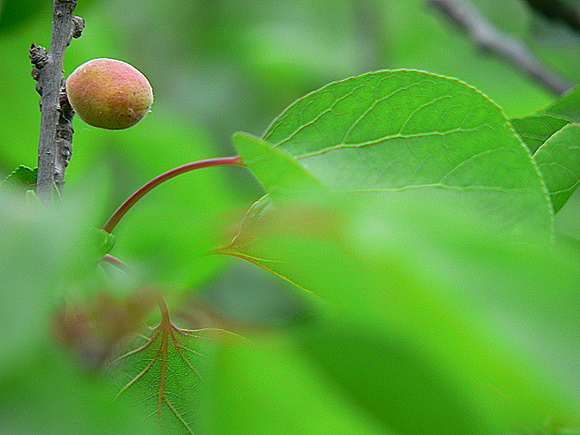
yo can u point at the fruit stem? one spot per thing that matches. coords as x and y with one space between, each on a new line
150 185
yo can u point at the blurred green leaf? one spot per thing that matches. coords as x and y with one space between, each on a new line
535 129
51 394
22 177
104 240
397 130
385 374
271 387
559 160
26 273
420 322
47 256
567 106
43 250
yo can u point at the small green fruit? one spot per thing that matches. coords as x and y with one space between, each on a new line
109 93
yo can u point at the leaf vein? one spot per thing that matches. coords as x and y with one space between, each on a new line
385 139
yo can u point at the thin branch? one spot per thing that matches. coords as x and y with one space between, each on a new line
487 37
150 185
54 148
559 11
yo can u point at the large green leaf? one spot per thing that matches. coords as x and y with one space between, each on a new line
430 303
559 160
399 130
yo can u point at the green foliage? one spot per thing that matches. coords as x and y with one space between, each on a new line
567 106
406 205
418 306
46 254
272 387
405 333
552 137
22 177
559 160
410 217
535 129
166 370
394 131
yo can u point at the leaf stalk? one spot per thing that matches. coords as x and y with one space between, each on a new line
150 185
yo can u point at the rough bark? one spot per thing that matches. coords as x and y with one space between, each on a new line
55 143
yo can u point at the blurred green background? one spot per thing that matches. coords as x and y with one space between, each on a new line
226 65
219 66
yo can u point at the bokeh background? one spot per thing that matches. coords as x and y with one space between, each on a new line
225 65
218 66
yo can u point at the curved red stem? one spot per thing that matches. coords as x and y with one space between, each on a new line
123 208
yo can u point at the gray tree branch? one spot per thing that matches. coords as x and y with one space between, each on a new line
55 143
491 39
559 11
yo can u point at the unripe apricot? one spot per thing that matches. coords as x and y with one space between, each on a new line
109 93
